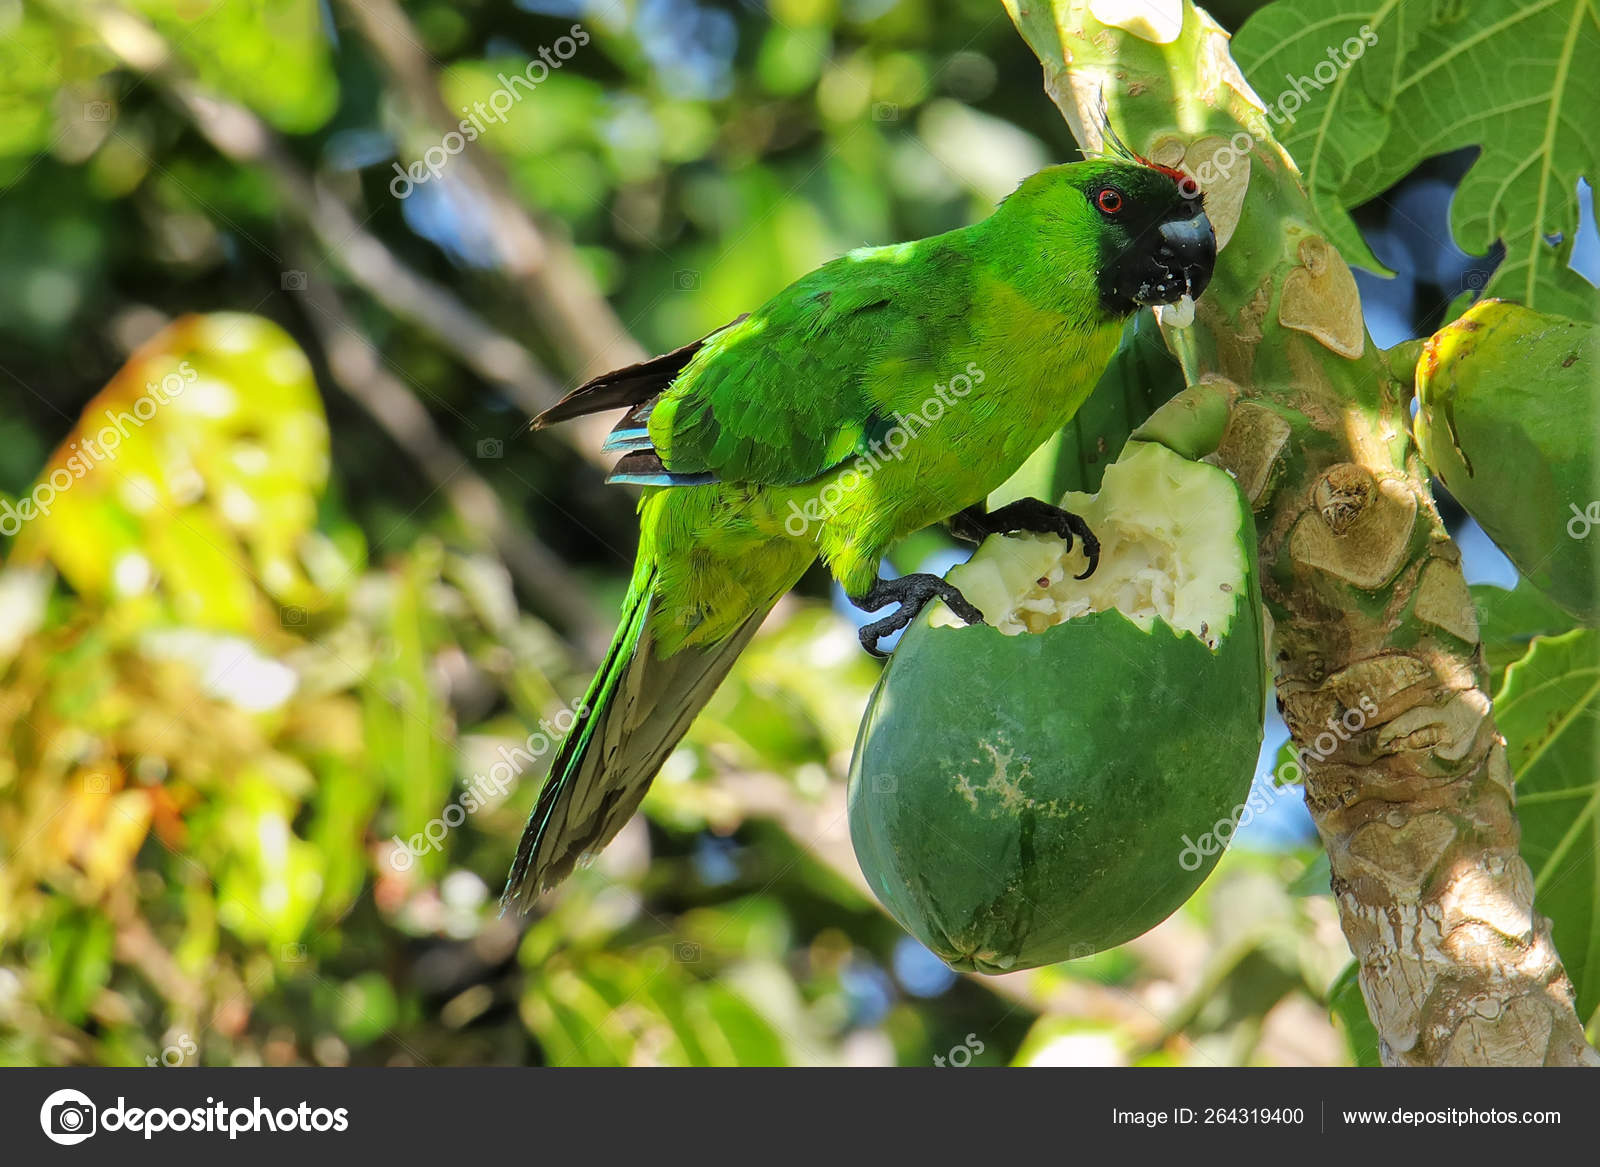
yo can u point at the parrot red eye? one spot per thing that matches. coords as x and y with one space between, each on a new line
1109 200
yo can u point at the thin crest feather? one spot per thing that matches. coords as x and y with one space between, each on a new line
1115 147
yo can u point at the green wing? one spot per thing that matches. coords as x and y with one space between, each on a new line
799 385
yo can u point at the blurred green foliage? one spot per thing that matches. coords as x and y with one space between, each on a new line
255 664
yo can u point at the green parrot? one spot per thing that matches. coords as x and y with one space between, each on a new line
892 388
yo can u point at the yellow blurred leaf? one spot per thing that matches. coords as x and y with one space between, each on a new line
190 480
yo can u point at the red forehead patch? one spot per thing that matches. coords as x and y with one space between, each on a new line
1171 172
1187 186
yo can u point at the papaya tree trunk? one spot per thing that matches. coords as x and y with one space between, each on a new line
1375 645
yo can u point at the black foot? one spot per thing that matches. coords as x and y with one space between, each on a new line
970 525
975 524
912 593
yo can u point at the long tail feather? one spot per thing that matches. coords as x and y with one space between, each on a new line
637 709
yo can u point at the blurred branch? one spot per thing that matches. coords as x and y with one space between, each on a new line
559 294
359 370
137 945
240 135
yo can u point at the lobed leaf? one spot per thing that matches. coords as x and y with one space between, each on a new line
1514 79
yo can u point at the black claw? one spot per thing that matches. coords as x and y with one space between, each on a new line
911 593
870 635
1091 545
1034 516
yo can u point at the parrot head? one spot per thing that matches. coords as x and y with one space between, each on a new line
1148 238
1156 243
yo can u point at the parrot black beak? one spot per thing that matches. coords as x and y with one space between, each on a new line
1189 249
1169 260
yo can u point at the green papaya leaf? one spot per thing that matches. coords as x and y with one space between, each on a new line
1315 879
1330 106
1362 91
1508 621
1349 1010
1547 711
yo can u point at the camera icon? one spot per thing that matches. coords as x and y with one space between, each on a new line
292 954
292 617
686 280
97 111
97 784
885 784
68 1117
293 281
72 1118
885 111
1474 280
491 448
686 951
